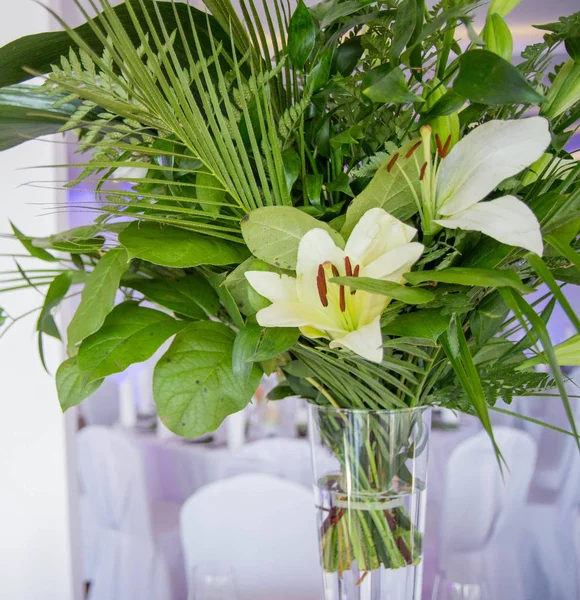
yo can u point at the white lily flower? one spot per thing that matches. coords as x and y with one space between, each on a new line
379 246
454 183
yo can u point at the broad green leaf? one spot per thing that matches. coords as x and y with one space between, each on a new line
394 290
245 346
301 35
449 104
191 296
280 392
248 300
174 247
32 250
318 76
98 296
487 78
403 30
338 10
72 386
427 324
273 233
388 189
392 87
275 341
347 56
39 51
130 334
502 7
292 167
194 384
217 281
470 276
27 113
487 320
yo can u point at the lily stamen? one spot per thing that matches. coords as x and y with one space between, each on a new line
321 285
355 274
347 266
439 145
412 150
445 149
422 173
342 299
392 162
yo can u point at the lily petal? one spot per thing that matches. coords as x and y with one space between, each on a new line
505 219
294 314
275 287
316 247
485 157
392 262
377 232
366 341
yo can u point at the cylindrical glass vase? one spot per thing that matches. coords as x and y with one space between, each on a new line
370 470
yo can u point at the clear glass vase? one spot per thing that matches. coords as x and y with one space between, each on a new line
370 471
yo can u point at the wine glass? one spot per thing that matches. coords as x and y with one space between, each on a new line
212 582
445 589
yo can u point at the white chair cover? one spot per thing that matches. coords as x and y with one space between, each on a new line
125 563
549 550
262 528
479 527
102 408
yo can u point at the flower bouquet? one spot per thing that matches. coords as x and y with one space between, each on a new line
357 195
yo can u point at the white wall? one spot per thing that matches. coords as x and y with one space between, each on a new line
36 561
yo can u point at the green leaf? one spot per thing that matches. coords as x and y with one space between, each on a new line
245 346
174 247
301 35
472 277
459 355
191 296
194 384
347 56
487 320
57 290
394 290
27 113
567 354
448 104
209 192
72 386
217 282
342 9
318 76
280 392
130 334
522 309
546 275
98 296
292 167
403 30
487 78
273 233
392 87
388 189
40 51
274 342
32 250
427 324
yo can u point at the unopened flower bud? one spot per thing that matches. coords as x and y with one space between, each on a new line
565 90
502 7
498 37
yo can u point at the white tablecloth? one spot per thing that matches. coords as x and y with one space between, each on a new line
175 469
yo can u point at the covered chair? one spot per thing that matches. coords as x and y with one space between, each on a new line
260 527
132 550
480 526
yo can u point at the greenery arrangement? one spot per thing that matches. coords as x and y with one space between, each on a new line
342 193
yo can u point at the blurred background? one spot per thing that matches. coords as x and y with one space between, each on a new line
52 467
